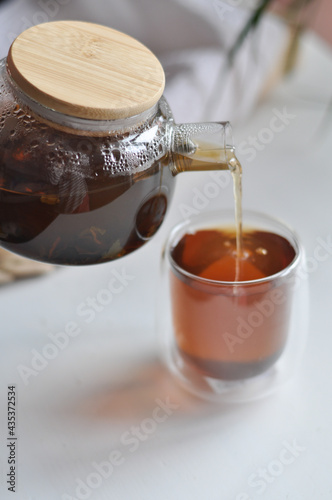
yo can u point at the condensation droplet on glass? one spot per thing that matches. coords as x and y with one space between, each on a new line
116 155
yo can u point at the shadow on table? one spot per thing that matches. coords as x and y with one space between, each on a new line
138 393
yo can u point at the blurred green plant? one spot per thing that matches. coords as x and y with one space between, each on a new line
295 13
250 25
292 13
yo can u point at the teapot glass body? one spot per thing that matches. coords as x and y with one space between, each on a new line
75 191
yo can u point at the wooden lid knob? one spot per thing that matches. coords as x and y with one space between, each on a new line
86 70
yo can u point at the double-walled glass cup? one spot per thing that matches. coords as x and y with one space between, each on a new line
232 340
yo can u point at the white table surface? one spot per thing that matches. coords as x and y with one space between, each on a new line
81 407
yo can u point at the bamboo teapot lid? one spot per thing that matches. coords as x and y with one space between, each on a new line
86 70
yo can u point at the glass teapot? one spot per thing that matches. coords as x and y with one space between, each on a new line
89 150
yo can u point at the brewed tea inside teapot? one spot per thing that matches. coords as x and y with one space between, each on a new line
89 150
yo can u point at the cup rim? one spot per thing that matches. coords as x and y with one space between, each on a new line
291 237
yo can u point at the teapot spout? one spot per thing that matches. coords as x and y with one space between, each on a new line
202 146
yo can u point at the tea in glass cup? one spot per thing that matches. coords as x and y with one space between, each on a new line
230 317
